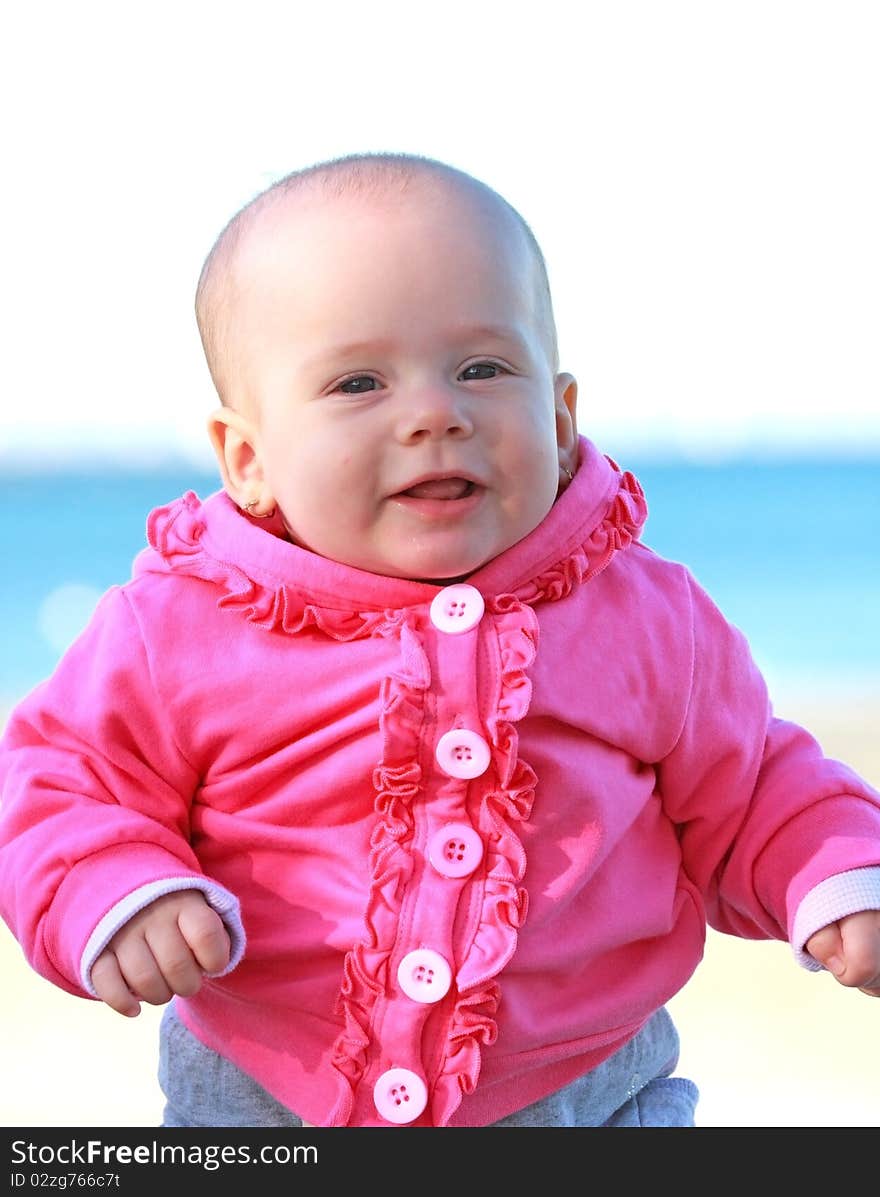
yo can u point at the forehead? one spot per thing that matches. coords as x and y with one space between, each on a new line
302 245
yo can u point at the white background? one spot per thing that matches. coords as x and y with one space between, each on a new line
703 177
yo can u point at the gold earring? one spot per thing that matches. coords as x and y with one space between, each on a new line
248 509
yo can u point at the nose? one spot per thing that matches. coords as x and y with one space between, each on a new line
434 412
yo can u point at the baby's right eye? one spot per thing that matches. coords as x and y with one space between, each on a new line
359 385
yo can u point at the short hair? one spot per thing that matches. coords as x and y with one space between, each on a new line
368 174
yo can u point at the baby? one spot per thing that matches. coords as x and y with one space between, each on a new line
401 764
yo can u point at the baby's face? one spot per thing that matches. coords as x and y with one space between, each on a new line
405 415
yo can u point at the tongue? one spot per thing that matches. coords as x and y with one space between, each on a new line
439 488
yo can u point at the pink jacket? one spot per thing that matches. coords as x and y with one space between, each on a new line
475 832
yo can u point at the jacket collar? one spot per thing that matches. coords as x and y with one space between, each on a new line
275 582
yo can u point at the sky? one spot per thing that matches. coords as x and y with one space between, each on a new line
703 177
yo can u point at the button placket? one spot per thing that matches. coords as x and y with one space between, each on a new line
423 976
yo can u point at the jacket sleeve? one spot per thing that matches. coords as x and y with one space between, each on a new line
763 815
95 793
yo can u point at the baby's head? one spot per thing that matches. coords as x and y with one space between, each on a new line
380 332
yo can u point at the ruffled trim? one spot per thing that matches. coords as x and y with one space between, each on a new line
396 780
175 532
505 899
618 528
473 1027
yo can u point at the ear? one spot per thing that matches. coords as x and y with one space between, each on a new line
565 397
236 445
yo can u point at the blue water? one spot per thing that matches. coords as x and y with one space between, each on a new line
790 552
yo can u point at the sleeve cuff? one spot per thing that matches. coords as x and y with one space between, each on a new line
218 898
833 899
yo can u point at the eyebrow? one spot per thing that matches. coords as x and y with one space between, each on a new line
493 332
352 349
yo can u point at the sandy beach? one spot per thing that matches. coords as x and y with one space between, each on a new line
769 1044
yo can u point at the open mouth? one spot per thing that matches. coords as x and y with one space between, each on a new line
447 489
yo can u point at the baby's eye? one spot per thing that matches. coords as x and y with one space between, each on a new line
472 373
358 385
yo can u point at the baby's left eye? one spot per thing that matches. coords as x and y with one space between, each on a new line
469 372
359 385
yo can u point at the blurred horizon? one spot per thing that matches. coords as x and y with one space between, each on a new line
65 455
787 547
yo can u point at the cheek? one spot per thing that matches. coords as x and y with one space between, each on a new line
535 471
295 448
534 453
320 485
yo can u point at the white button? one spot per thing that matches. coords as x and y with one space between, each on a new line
457 608
462 753
400 1095
424 975
455 850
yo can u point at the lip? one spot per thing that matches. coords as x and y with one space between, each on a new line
439 476
440 509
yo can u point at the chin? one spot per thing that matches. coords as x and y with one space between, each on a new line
445 573
436 569
441 573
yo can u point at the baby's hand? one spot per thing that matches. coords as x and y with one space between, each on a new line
162 950
850 949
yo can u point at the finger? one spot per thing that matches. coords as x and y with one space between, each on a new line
826 946
207 937
861 951
109 984
179 970
142 972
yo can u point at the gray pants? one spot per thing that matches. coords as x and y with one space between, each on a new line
631 1088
